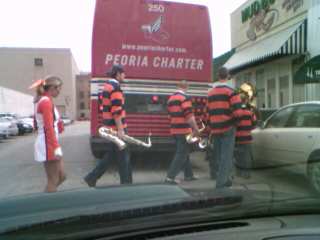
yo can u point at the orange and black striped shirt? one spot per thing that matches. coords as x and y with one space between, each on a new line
224 108
113 104
180 110
245 126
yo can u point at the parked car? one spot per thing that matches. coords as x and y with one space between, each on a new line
66 120
9 128
290 137
27 120
22 127
8 115
25 125
4 128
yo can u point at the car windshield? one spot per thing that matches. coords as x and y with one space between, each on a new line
166 110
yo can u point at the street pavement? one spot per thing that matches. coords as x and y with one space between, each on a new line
20 174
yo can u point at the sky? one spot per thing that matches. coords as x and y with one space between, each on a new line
68 24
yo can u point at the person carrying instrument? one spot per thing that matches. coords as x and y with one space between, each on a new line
182 123
114 118
49 125
243 151
224 107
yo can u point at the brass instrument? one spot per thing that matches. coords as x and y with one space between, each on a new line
248 93
112 136
202 142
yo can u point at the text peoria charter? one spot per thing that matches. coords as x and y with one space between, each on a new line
157 62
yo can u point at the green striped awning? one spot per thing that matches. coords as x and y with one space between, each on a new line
290 41
297 42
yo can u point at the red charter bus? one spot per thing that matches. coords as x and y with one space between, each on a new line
159 43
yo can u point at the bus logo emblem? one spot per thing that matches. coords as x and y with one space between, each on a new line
155 32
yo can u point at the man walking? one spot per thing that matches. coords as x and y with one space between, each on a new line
182 123
224 106
114 118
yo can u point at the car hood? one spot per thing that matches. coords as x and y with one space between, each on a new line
136 206
38 208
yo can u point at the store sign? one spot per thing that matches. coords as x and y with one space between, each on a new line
263 17
255 8
292 5
258 18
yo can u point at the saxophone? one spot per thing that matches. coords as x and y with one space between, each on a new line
202 142
111 135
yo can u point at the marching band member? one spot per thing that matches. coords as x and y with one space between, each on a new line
49 125
224 107
182 123
113 117
243 151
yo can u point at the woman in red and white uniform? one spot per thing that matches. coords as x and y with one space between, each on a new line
49 125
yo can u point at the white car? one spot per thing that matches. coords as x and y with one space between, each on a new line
13 126
290 137
4 128
8 128
66 120
11 115
27 120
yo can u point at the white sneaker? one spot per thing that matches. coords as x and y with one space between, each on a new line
171 181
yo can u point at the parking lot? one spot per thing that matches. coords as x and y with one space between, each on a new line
20 174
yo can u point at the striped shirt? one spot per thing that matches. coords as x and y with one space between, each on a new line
245 126
180 110
224 108
113 104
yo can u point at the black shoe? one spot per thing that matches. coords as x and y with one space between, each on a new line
189 179
90 183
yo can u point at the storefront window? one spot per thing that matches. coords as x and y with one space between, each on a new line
247 77
260 88
271 93
284 90
299 92
82 106
312 92
239 80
